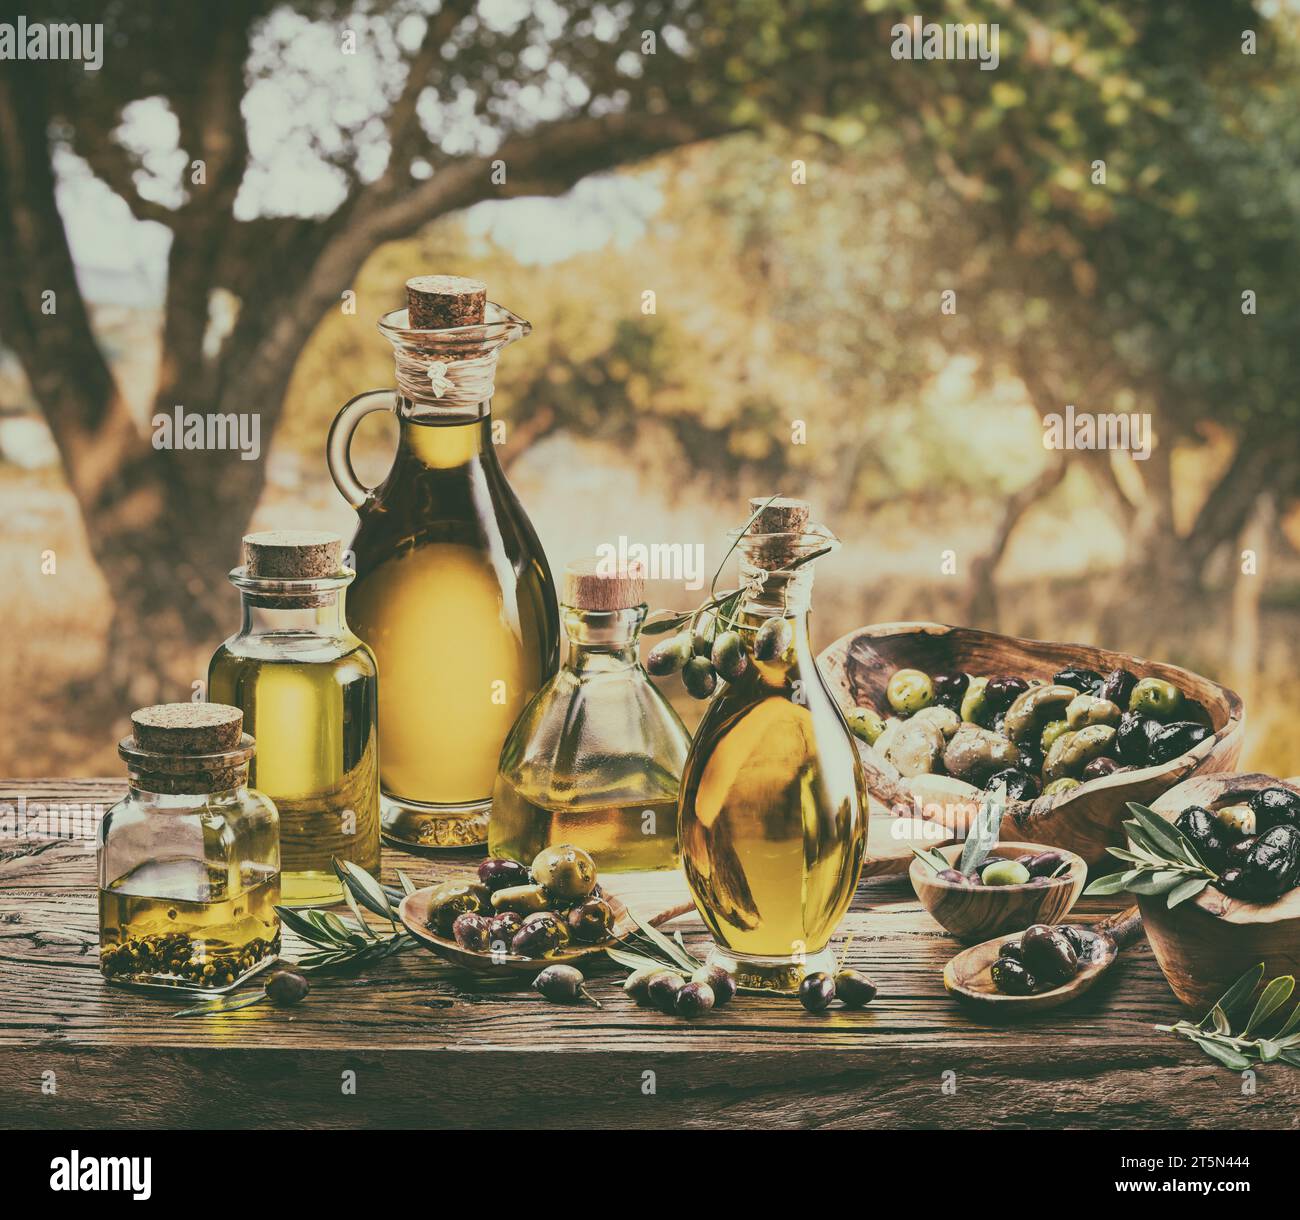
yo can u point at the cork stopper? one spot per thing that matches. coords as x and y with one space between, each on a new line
187 728
777 531
588 586
437 302
173 745
292 554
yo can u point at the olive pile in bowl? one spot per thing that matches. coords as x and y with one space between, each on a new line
1041 959
527 911
1036 737
1254 844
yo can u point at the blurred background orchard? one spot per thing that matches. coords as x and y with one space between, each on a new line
656 147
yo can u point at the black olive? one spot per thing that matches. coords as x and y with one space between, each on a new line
1275 807
1011 949
1133 738
1271 864
287 987
1021 786
1117 686
1238 851
816 991
1206 833
537 937
1049 955
1000 693
502 929
662 990
1080 938
1088 681
473 932
1044 863
955 877
693 1000
591 921
1098 768
1172 740
502 874
562 985
855 990
1011 978
1230 883
722 984
949 689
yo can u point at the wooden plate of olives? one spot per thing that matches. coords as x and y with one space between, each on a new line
1204 944
1043 967
1017 884
512 918
1076 732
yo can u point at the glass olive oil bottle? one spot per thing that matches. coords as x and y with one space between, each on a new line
453 592
773 801
596 758
308 690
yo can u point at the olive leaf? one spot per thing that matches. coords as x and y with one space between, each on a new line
1162 861
1213 1033
1185 890
368 891
932 858
983 835
685 960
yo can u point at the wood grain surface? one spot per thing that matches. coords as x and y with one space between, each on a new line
505 1057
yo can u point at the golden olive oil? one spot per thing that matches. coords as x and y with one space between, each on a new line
622 837
454 597
181 923
313 718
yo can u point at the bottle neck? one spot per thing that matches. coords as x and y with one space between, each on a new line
265 615
602 641
769 593
448 443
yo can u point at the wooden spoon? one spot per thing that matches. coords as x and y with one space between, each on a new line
967 976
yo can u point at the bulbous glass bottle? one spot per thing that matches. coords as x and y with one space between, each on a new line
596 758
452 592
773 809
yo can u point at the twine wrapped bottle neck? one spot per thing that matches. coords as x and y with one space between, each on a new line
434 384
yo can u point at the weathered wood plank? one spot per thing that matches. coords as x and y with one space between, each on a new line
489 1059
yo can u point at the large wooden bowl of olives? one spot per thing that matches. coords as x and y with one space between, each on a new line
944 714
1247 829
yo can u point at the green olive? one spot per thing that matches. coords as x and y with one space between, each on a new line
670 655
773 638
1005 872
1053 730
1238 818
973 701
699 677
522 899
454 898
1088 709
565 872
1033 707
909 690
729 656
1072 751
1057 786
1156 698
864 723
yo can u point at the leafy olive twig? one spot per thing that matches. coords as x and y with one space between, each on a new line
1161 860
338 944
1215 1035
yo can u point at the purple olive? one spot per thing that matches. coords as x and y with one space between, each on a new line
502 874
693 1000
720 982
816 991
472 932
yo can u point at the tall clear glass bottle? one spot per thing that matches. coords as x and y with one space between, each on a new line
308 690
596 758
773 801
453 592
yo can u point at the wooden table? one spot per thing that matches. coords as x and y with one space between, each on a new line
508 1058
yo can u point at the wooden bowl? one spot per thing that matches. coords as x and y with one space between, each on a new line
1208 942
978 912
413 911
1085 820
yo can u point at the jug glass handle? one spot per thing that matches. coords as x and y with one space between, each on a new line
338 448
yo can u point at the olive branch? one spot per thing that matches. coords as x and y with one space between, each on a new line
1160 858
1213 1033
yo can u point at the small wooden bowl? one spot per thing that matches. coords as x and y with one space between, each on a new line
1085 820
413 911
974 913
1208 942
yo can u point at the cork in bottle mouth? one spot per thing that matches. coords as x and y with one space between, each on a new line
590 584
781 534
291 569
181 748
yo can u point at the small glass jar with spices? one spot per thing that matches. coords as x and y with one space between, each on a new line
189 861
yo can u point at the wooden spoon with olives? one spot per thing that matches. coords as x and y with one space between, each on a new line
969 976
